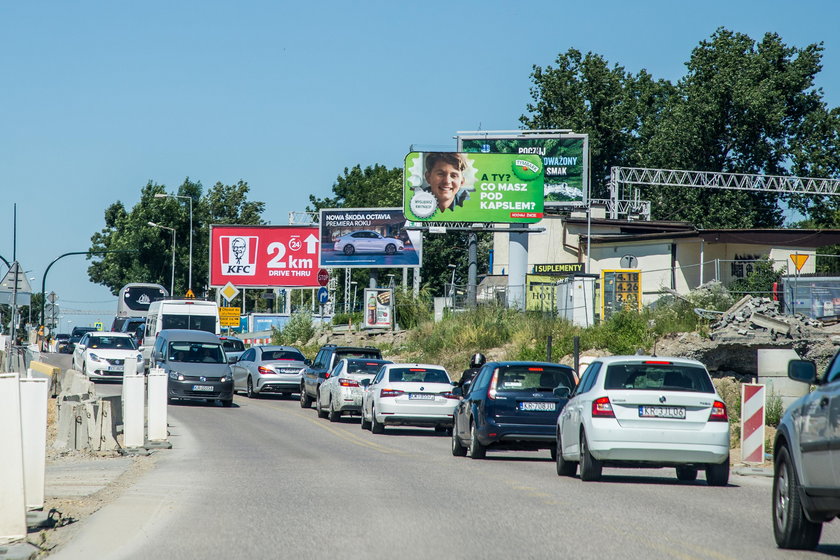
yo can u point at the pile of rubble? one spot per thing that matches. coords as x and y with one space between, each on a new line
759 318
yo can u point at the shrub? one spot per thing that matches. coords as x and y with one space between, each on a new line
774 409
412 310
298 330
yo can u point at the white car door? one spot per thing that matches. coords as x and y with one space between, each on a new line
572 416
78 353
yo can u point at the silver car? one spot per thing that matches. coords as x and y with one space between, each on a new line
268 369
367 242
342 391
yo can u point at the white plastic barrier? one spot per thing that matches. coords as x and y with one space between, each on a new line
133 397
33 413
157 393
13 502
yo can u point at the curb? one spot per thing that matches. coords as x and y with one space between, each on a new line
753 471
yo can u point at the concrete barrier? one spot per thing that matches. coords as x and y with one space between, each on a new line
156 406
33 409
52 373
13 504
772 372
134 392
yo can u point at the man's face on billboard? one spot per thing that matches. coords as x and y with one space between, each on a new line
445 181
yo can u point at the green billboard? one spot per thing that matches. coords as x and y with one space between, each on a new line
565 157
490 188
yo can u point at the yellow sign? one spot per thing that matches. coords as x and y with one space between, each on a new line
189 294
98 325
798 260
229 291
229 316
620 289
540 292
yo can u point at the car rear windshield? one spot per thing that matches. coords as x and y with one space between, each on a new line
196 352
271 355
418 375
112 343
231 345
533 378
363 366
191 322
369 354
666 376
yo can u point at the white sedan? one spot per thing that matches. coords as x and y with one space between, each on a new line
645 411
342 391
409 395
367 242
103 355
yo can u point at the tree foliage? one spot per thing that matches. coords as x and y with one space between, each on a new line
148 256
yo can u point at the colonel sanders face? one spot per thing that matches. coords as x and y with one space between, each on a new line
238 248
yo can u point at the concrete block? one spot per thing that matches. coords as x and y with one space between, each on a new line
33 411
134 393
772 371
12 505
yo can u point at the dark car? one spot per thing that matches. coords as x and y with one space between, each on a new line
511 406
76 335
806 492
62 343
326 359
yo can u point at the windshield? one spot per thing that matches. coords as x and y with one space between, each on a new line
418 375
369 354
272 355
196 352
233 345
191 322
646 376
112 343
533 378
363 366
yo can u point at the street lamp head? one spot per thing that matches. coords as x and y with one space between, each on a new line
152 224
161 195
451 266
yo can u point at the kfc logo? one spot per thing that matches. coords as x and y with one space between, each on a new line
239 254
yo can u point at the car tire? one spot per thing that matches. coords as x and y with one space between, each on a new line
249 389
718 475
305 400
476 450
375 426
332 414
365 423
590 468
349 250
790 526
686 474
458 449
564 467
390 249
321 412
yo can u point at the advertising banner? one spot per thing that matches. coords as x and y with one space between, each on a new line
379 308
565 157
489 188
368 238
264 256
540 292
562 269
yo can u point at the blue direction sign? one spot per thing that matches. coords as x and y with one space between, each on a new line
323 295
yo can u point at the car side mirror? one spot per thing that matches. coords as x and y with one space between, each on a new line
562 392
307 361
458 392
81 346
804 371
365 382
232 359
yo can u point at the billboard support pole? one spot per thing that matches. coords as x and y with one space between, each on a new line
473 268
518 251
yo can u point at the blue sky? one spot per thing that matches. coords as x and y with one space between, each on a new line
100 97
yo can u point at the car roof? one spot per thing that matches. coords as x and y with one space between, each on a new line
272 348
527 363
187 335
639 359
110 333
411 365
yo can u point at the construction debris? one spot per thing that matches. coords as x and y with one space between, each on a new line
758 317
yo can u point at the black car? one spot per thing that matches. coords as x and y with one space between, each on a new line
511 406
326 359
62 343
76 335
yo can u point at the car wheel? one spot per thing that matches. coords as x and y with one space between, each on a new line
476 449
249 389
321 412
333 415
305 400
375 426
458 448
564 467
590 468
365 422
390 249
790 526
349 250
718 475
686 474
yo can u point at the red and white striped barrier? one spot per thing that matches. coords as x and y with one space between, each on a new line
752 423
253 341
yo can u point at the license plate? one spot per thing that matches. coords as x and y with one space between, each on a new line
542 406
115 368
202 388
662 412
421 396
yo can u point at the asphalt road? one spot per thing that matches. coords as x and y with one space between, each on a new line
267 479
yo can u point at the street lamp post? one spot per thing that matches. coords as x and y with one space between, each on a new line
172 282
165 195
353 307
452 286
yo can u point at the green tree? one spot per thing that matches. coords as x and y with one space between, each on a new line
371 187
152 259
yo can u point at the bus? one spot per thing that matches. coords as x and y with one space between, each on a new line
134 301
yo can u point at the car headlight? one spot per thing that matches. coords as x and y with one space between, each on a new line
176 376
93 357
226 378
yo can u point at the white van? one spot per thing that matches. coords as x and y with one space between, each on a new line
191 314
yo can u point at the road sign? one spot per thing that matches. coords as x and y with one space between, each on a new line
51 297
798 260
229 292
98 325
190 294
323 295
229 316
15 274
323 277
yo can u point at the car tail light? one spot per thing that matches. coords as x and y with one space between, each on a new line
347 382
265 371
657 362
718 413
390 393
326 375
602 408
491 391
449 395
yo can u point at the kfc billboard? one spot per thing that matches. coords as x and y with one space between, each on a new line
264 256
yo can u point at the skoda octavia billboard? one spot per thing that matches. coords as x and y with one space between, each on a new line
460 187
368 238
264 256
